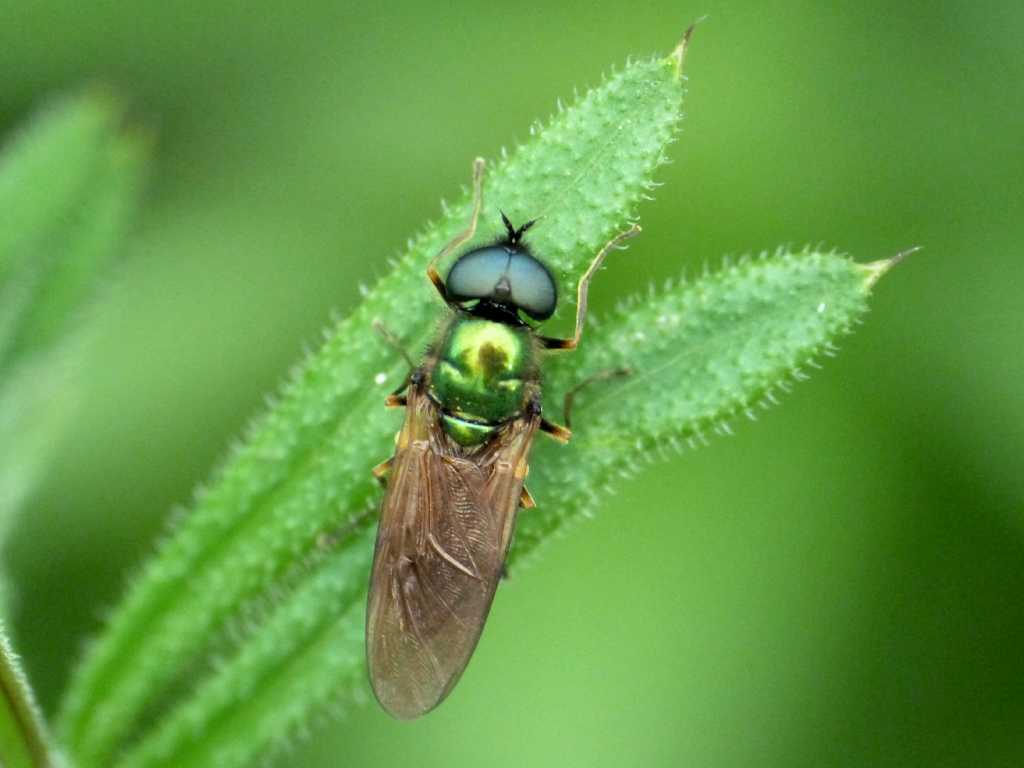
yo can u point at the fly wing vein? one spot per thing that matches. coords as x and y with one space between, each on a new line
445 527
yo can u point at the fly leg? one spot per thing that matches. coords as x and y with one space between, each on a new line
463 236
584 287
382 470
328 540
605 375
396 399
562 434
526 499
557 431
525 502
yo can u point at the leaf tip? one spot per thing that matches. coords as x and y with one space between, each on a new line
678 55
874 270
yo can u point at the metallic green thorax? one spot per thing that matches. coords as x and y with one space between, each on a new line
480 376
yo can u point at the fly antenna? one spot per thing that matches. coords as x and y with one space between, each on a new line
513 235
522 229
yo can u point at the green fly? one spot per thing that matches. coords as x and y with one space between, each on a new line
456 479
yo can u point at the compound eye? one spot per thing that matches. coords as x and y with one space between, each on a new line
475 275
533 288
510 277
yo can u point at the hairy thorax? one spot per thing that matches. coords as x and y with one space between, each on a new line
481 376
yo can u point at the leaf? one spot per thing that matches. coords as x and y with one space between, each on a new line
302 471
248 622
44 172
69 185
700 353
23 738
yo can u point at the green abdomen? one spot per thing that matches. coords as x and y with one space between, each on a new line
480 376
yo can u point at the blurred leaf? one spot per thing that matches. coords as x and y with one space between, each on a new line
23 740
68 189
45 172
303 469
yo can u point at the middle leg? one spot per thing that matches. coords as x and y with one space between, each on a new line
396 399
605 375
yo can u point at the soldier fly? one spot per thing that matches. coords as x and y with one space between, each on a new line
456 479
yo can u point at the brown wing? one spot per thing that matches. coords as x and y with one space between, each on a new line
444 531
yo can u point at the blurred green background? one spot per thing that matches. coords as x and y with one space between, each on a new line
839 584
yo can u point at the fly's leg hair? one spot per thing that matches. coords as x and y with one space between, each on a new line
584 287
463 236
605 375
394 400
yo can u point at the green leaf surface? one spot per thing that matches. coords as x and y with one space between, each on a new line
702 354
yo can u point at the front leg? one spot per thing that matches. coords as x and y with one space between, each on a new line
456 242
584 288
